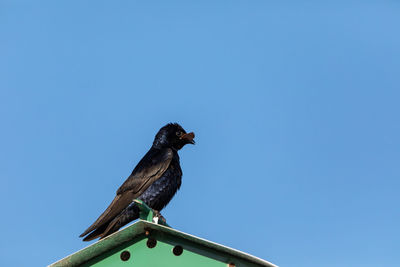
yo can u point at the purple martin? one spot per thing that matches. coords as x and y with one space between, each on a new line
154 180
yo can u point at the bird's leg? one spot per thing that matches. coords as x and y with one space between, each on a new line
157 216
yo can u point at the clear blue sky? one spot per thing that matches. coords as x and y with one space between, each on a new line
295 106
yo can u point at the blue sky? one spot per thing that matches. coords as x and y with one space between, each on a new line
295 106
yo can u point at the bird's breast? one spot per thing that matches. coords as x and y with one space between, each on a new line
158 195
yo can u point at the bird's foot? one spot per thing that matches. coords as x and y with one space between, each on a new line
158 217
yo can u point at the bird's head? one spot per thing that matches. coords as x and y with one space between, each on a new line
174 136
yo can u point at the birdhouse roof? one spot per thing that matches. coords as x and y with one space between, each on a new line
148 244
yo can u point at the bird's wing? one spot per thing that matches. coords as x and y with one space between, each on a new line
149 169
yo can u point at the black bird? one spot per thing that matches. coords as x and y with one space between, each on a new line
154 180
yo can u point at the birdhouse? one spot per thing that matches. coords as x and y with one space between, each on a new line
149 244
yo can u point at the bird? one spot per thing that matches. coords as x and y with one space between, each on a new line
155 180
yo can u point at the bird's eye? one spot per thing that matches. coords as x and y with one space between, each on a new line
178 133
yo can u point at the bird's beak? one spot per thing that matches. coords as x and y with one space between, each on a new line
188 137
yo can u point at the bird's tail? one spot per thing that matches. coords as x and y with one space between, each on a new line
106 229
96 233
